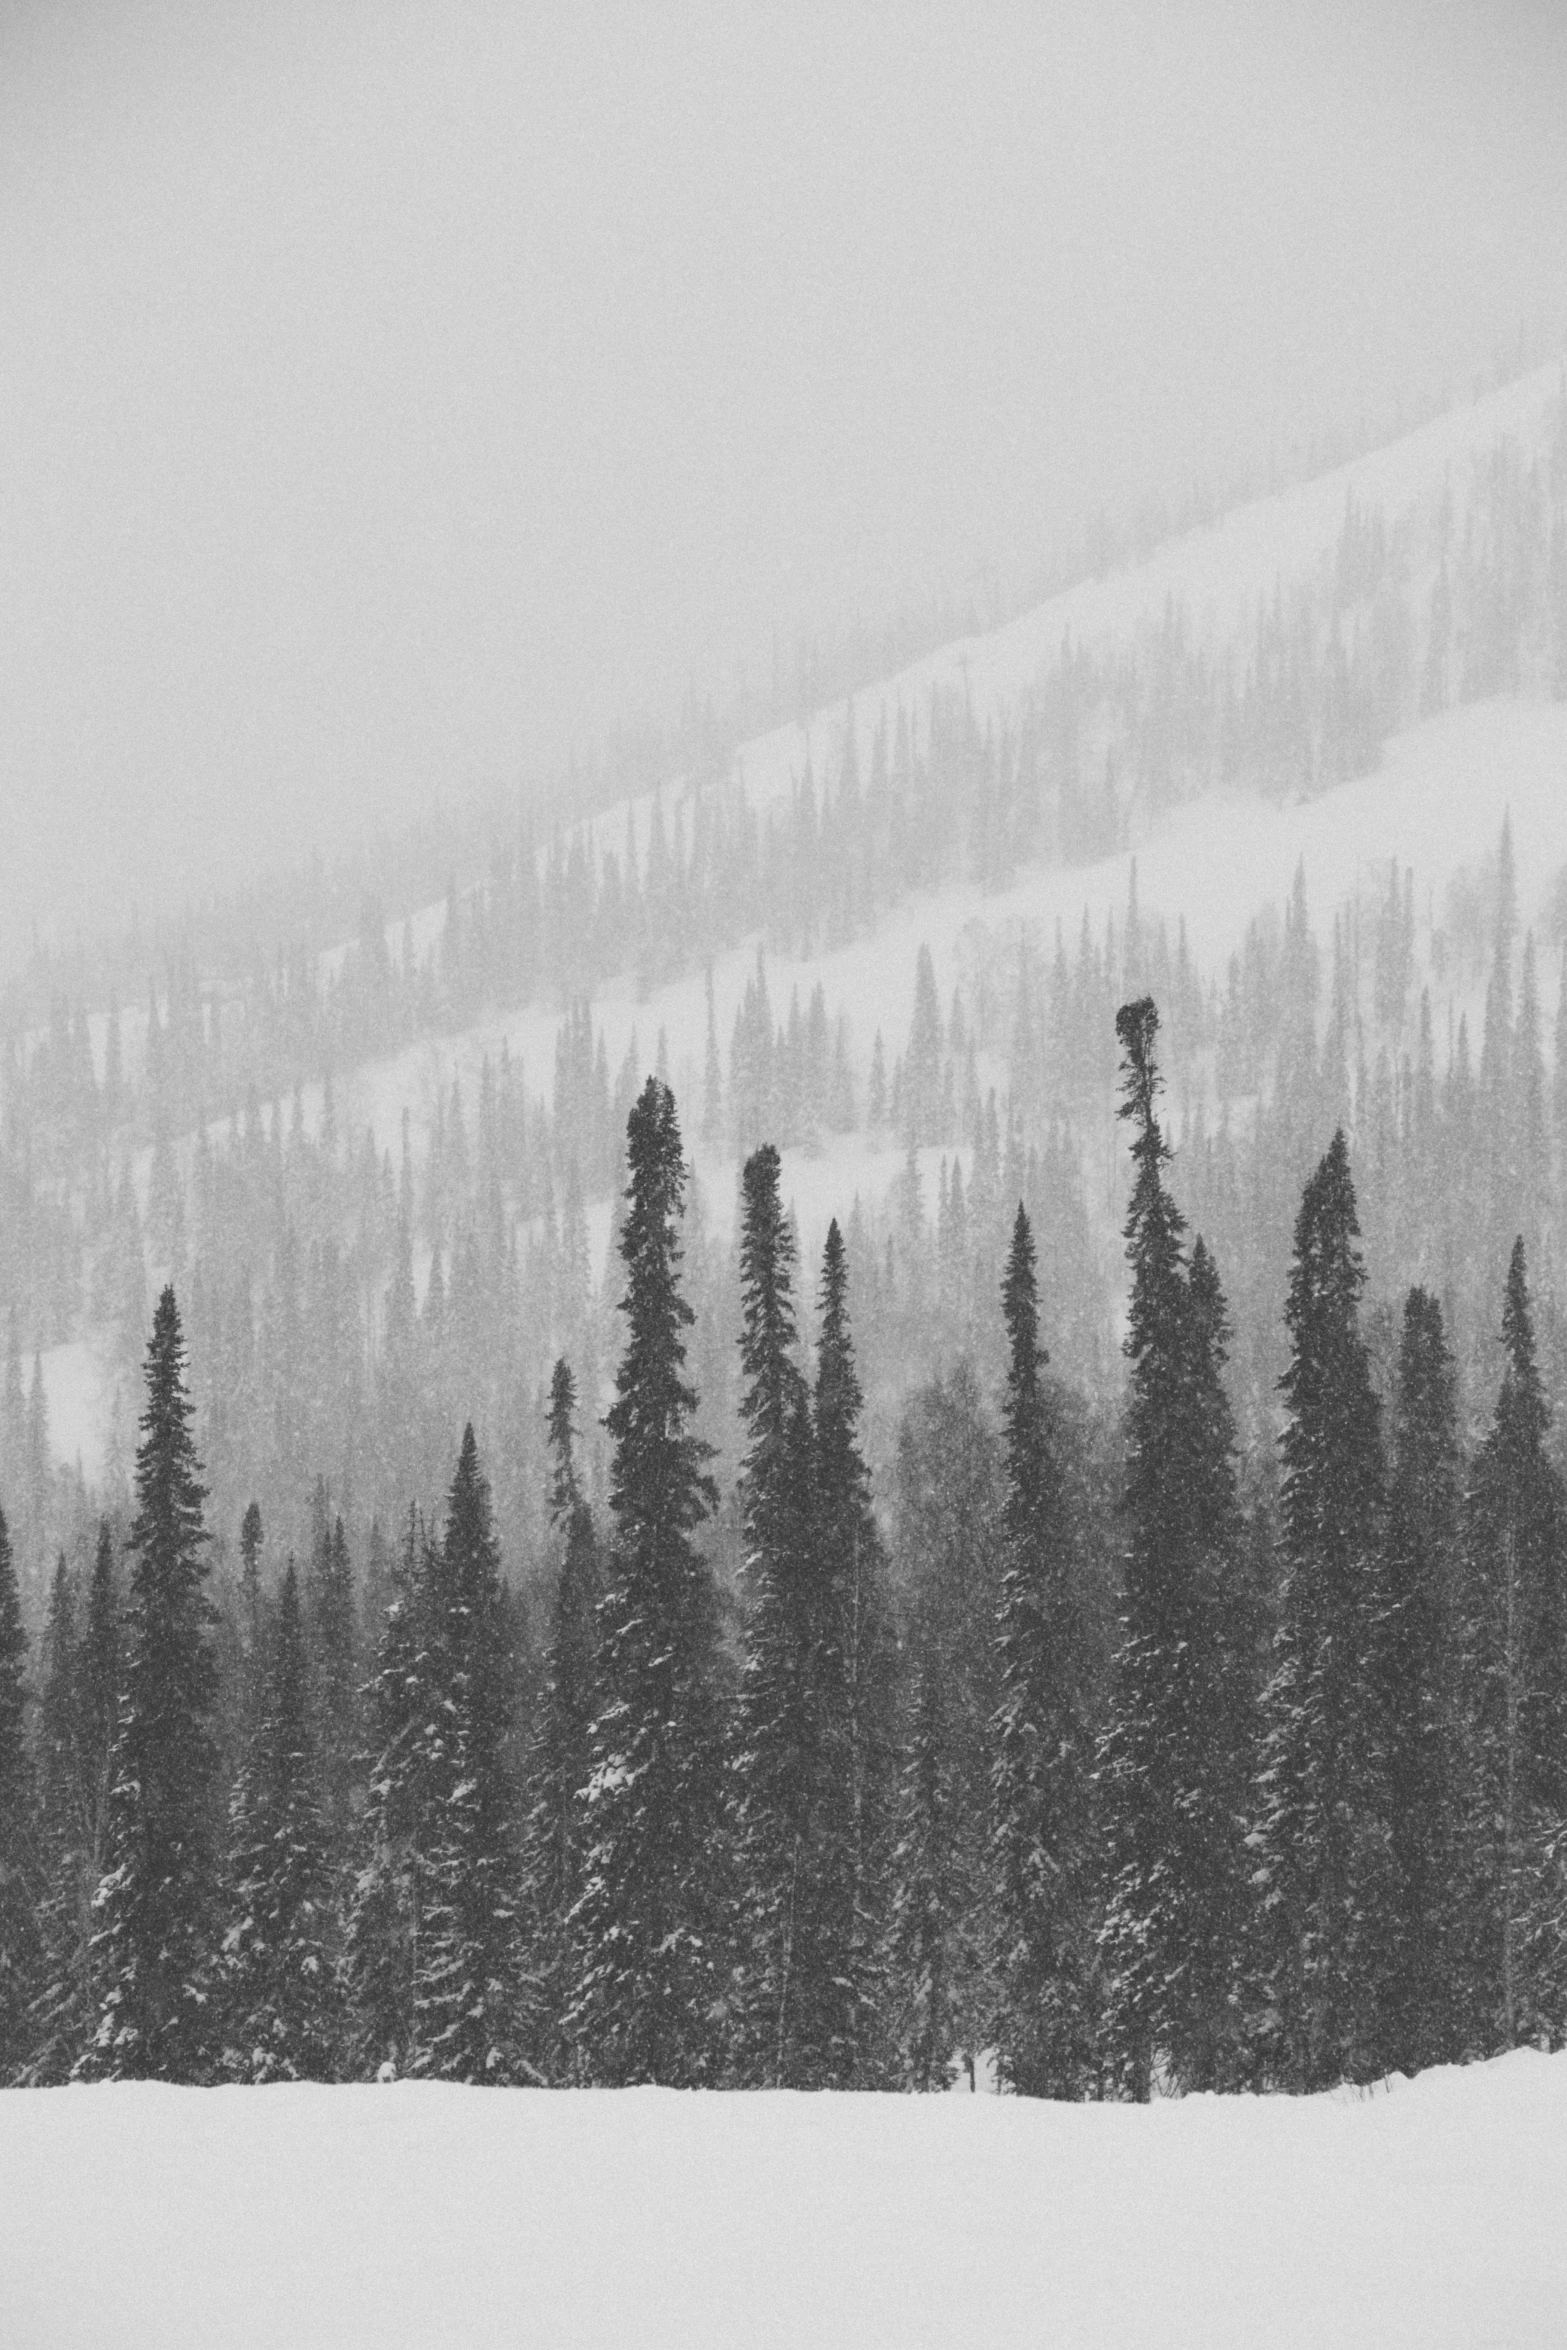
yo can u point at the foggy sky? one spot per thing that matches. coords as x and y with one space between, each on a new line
390 397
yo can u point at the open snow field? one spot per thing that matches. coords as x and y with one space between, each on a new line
1428 2213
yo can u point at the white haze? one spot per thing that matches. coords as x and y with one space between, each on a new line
391 397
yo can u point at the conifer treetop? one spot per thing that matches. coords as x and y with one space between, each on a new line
1154 1224
768 1331
657 1477
13 1647
1522 1413
839 1400
560 1425
1030 1471
1136 1026
1329 1272
169 1491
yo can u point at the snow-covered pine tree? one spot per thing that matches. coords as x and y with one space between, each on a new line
155 1948
1419 1996
334 1682
1517 1642
790 2023
20 1945
652 1970
1172 1786
562 1749
1323 1838
54 1752
863 1747
252 1614
282 2011
1227 1686
949 1536
389 1891
1041 1771
98 1696
61 2016
474 2016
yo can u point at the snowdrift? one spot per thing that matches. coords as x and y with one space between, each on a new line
1422 2213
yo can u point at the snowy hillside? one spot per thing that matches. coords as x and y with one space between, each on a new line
1209 863
1422 2216
1434 805
1217 574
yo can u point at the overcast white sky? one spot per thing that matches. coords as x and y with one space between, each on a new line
391 395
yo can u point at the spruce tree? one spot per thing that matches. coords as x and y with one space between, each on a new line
652 1970
473 2015
935 1915
1419 1995
562 1753
251 1616
1173 1785
20 1948
61 2018
789 1858
1226 1684
281 2006
98 1696
388 1892
1517 1639
334 1681
156 1943
55 1746
863 1743
1326 1866
1041 1768
949 1538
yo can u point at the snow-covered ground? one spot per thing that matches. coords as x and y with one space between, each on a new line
1429 2214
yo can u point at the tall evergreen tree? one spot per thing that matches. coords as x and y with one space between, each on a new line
796 1925
281 2007
1419 1994
1041 1769
1173 1783
652 1970
55 1748
1327 1870
61 2019
949 1540
98 1696
155 1947
562 1753
334 1680
20 1950
389 1891
251 1615
1517 1637
864 1743
474 2012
